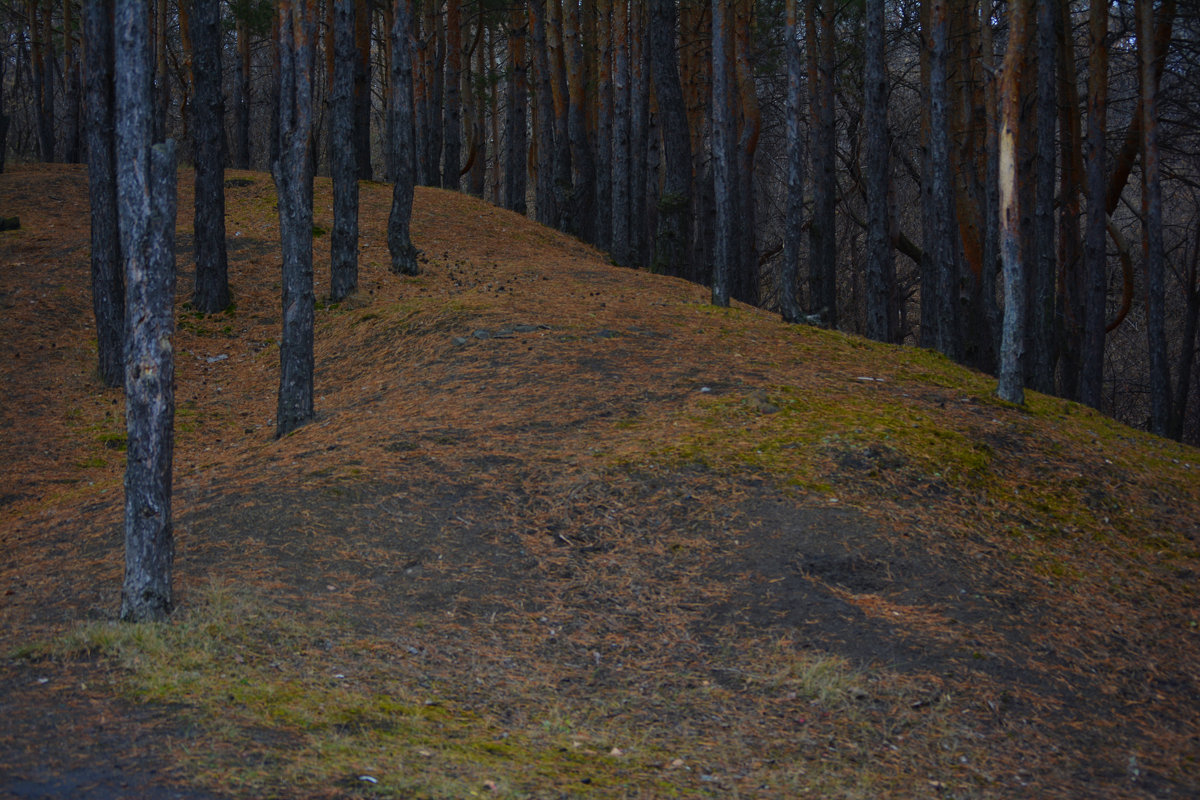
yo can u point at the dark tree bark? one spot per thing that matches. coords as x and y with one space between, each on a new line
42 56
211 291
293 183
1187 349
452 121
71 78
563 191
1043 262
545 210
622 111
241 82
162 77
604 124
941 229
822 234
146 216
1152 224
882 322
793 232
722 150
672 241
343 244
4 118
744 283
1091 374
400 97
1011 386
583 212
1070 306
362 89
515 100
108 283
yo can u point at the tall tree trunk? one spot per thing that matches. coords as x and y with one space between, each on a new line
988 340
473 86
71 79
211 291
604 124
400 97
343 243
362 89
42 57
241 82
583 212
1043 261
672 239
293 182
1071 304
146 217
744 283
822 242
940 245
516 99
1187 348
722 150
880 270
162 75
1152 223
108 283
1095 237
563 191
452 121
789 306
1012 350
547 213
434 66
622 112
4 118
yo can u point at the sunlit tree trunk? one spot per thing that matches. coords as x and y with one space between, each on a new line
146 218
108 283
1012 349
293 182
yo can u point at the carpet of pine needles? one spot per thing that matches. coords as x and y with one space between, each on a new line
562 529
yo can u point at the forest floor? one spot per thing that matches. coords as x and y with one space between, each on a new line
561 529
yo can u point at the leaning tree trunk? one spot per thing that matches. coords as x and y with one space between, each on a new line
343 243
108 283
1012 348
293 182
146 216
882 324
400 99
211 291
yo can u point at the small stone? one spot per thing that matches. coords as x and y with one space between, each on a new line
482 334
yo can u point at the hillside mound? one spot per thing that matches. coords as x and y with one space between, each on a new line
563 529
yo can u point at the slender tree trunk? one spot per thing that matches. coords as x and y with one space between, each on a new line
362 89
108 283
293 182
789 306
744 283
4 118
622 113
71 78
162 77
434 66
452 121
1043 262
146 217
1187 348
547 213
1152 223
400 97
473 86
241 81
343 244
516 99
880 271
1070 306
674 207
563 191
722 149
822 242
211 291
1095 237
989 338
583 212
604 125
940 246
1012 350
42 56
